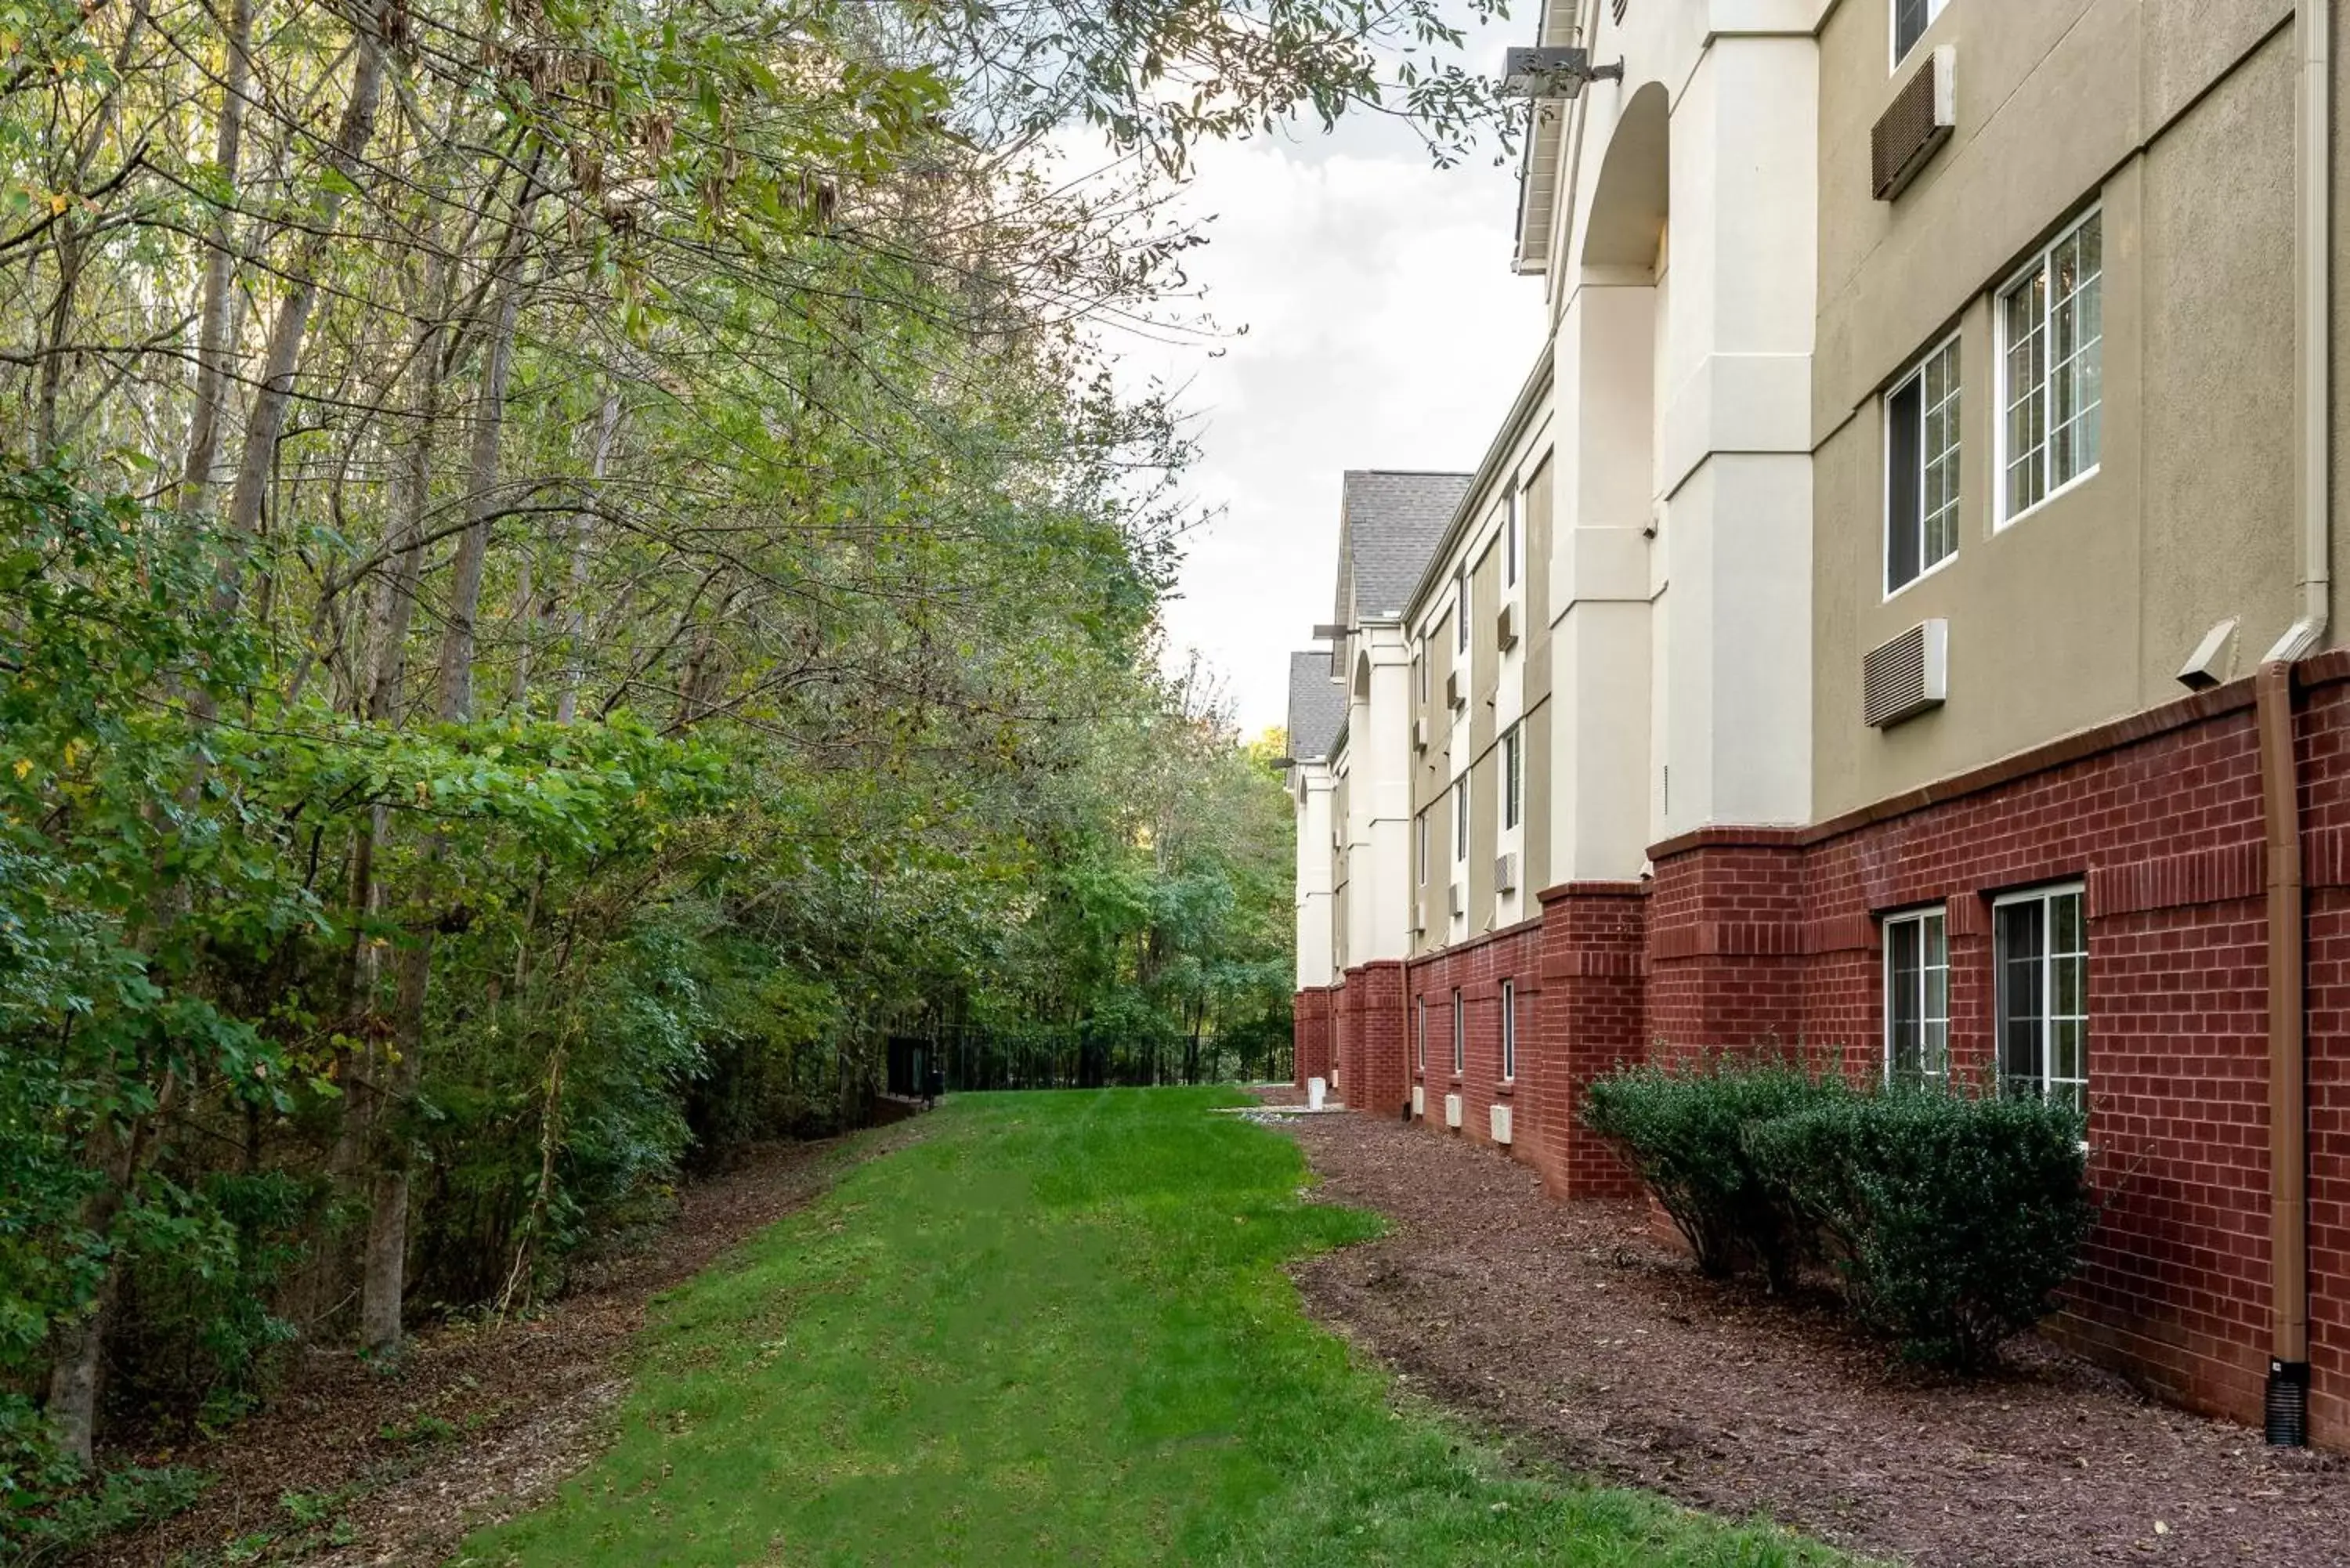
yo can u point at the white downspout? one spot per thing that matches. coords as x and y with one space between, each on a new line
2313 324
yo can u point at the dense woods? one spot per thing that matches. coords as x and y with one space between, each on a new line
569 569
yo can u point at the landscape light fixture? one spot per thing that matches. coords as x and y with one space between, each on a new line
1553 72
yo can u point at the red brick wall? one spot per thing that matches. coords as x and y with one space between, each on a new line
2325 823
1749 937
1592 1022
1725 945
1380 1084
1310 1033
1478 970
1346 1036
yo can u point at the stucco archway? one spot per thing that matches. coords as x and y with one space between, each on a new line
1630 204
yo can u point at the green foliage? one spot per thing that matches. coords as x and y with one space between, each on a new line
1684 1129
1954 1219
1059 1328
120 1501
568 573
1951 1219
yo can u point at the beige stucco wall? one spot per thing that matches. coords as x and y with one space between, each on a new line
2178 116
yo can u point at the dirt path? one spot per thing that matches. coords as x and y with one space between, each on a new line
355 1467
1570 1328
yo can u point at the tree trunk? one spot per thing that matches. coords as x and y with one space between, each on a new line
384 1283
283 354
214 329
456 675
583 534
117 1155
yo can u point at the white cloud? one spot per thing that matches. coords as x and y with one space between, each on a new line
1384 331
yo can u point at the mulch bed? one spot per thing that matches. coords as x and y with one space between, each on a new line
1582 1338
478 1421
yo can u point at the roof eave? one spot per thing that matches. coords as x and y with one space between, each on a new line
1522 410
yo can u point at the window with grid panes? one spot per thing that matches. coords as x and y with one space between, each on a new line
1916 999
1922 468
1513 776
1509 1031
2051 359
2040 941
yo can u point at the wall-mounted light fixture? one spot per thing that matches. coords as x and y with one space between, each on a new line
1557 72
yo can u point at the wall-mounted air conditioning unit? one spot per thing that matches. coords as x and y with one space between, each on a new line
1419 918
1459 899
1419 1100
1420 733
1501 1124
1452 1110
1505 627
1455 692
1505 874
1902 678
1914 126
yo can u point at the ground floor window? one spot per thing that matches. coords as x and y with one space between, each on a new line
1916 999
1460 1040
2042 952
1421 1056
1509 1031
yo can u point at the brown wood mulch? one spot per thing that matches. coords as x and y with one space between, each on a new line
1577 1336
477 1421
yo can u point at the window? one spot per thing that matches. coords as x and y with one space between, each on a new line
1460 1038
1510 539
1421 822
1922 468
1509 1031
1910 20
1460 821
2051 341
1420 671
1461 610
1917 1000
1513 777
1421 1059
2042 944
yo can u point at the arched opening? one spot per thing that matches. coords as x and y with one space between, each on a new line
1362 678
1630 204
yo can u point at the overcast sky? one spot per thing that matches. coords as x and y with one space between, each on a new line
1385 330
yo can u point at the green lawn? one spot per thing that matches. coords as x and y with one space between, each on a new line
1057 1331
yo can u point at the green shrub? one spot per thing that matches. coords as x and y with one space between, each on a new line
117 1501
1954 1219
1683 1129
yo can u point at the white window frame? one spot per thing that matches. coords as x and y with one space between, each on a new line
2048 1017
1511 544
1957 450
1509 1032
1460 821
2041 259
1514 778
1422 1066
1420 664
1460 611
1934 9
1934 917
1420 822
1459 1037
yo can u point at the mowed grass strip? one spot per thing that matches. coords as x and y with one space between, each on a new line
1057 1331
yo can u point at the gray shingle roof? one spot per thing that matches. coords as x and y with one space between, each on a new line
1318 705
1392 526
